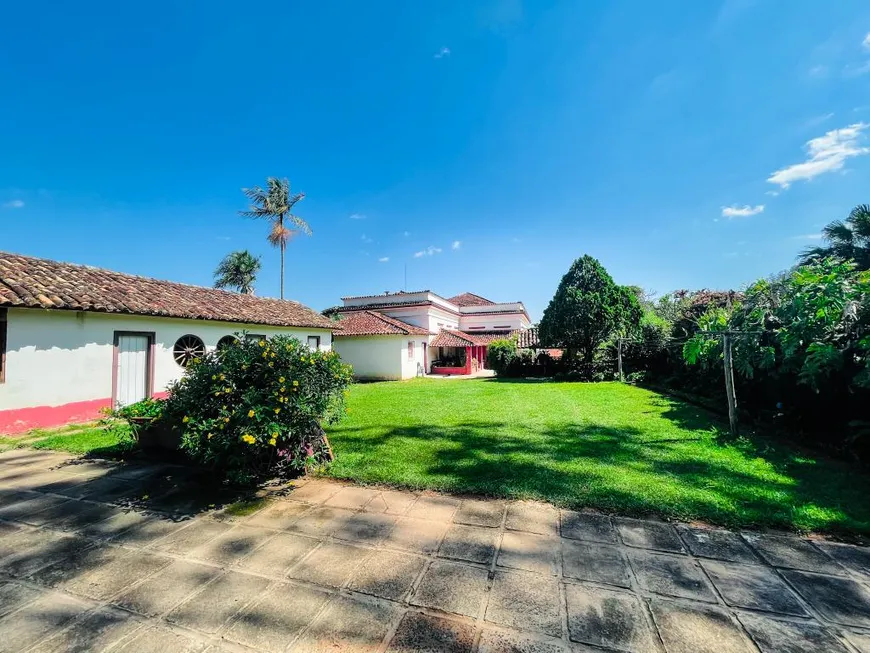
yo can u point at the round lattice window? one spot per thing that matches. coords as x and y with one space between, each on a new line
226 341
187 348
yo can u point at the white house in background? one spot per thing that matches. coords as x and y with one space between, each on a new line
75 339
431 334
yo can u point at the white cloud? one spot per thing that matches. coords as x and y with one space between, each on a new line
808 237
443 52
384 259
366 239
357 216
866 41
13 204
819 71
824 154
741 211
429 251
456 244
772 193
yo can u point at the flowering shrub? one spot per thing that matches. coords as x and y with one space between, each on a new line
255 407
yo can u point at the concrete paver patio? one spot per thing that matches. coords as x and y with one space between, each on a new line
98 556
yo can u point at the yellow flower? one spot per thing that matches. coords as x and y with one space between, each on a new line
265 354
272 442
295 383
272 354
271 364
280 379
185 419
283 389
223 377
227 420
223 407
209 436
214 377
228 390
277 410
274 434
250 439
262 343
251 413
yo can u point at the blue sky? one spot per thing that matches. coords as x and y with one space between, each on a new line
685 145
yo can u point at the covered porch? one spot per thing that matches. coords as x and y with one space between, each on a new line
455 353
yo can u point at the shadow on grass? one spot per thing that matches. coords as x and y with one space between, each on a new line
746 483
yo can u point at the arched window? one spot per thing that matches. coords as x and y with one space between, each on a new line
187 348
226 341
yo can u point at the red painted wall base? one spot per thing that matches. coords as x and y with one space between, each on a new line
19 420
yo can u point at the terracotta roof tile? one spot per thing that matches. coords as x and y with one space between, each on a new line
470 299
450 338
370 323
31 282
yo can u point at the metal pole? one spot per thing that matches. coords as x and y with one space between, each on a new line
619 358
729 384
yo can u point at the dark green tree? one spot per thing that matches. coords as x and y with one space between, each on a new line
846 239
587 309
237 271
275 203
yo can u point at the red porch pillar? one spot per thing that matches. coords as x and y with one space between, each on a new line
468 360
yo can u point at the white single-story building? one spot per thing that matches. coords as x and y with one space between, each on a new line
76 339
433 335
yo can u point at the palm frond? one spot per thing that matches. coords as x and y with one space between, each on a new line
280 235
838 232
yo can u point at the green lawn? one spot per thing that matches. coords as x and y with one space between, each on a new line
91 439
609 446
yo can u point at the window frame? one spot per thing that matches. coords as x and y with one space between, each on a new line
4 321
317 341
411 349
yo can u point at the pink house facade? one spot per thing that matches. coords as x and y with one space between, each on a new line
447 336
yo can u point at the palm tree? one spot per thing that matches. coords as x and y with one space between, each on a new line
275 203
847 239
237 270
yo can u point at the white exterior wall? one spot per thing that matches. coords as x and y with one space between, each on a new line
430 318
474 322
381 357
59 357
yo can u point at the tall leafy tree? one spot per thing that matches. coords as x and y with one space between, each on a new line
846 239
588 308
275 203
237 271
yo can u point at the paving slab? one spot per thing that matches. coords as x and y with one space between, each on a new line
529 552
589 526
500 641
280 515
387 574
599 563
609 619
841 600
348 626
775 636
218 602
321 521
671 576
717 544
532 517
332 564
147 531
476 512
230 548
95 632
279 554
792 553
117 523
14 595
860 641
80 516
435 508
524 600
416 535
40 549
26 511
116 570
364 528
273 621
314 491
471 543
191 536
351 497
753 588
422 633
854 558
452 587
39 619
167 588
392 503
159 640
698 629
641 534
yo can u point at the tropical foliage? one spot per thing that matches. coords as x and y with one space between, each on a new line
587 309
255 408
237 271
275 203
846 239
